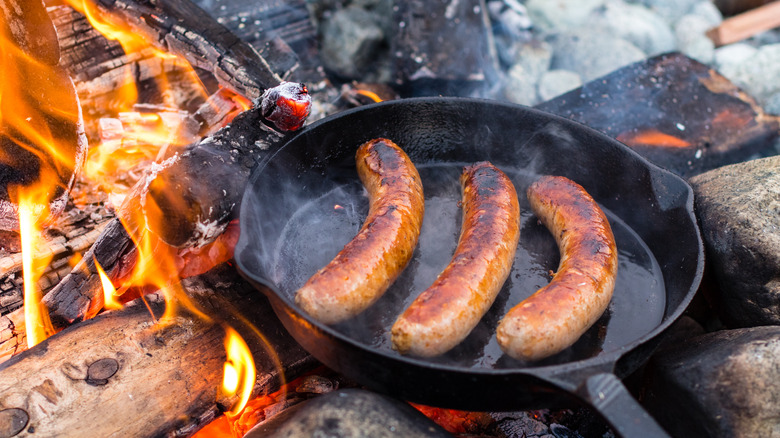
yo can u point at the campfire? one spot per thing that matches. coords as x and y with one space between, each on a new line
133 133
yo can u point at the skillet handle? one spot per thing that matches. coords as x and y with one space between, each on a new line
610 398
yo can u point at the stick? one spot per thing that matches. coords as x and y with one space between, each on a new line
746 24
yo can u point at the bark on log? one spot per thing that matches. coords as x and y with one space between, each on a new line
179 26
121 375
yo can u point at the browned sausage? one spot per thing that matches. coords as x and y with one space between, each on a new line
445 313
554 317
374 258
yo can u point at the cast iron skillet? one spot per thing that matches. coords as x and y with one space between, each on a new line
305 202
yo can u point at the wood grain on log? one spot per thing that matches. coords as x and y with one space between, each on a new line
180 27
121 375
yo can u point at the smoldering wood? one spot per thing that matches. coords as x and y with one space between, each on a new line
198 195
181 27
31 29
703 119
457 63
121 374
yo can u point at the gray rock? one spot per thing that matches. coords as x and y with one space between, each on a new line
692 40
739 212
560 14
671 10
773 104
350 40
520 87
755 74
730 56
707 10
533 57
721 384
636 24
591 53
350 413
553 83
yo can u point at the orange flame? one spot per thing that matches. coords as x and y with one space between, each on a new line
239 373
37 324
109 291
652 137
369 94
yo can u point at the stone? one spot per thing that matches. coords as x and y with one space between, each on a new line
520 87
533 57
739 211
591 53
707 10
692 40
350 413
773 104
636 24
553 83
732 55
720 384
560 14
351 38
671 10
753 74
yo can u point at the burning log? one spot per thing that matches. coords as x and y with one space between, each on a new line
181 27
41 132
199 194
121 373
673 110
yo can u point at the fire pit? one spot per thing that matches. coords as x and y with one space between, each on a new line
195 95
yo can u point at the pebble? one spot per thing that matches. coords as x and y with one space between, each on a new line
637 24
350 39
520 87
733 54
671 10
757 74
553 83
708 11
560 14
773 104
692 40
592 54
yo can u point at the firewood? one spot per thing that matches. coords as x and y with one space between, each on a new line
746 24
20 17
199 194
45 105
181 27
121 374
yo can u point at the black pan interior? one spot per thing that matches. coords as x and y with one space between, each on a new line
305 202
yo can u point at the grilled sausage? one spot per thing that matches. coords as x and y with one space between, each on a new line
554 317
374 258
445 313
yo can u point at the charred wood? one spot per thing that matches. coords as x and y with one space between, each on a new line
197 194
181 27
31 29
675 112
121 373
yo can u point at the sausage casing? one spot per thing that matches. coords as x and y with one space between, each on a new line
554 317
373 259
445 313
